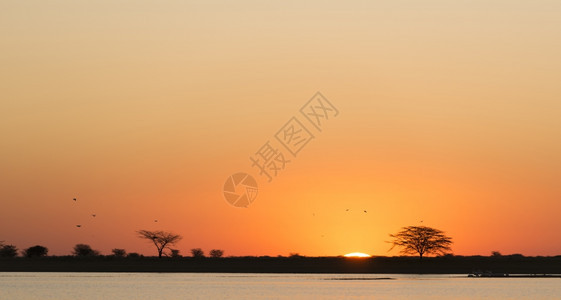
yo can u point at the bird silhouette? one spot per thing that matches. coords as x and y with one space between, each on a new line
78 226
74 199
365 211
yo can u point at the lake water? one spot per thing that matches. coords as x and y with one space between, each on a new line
108 286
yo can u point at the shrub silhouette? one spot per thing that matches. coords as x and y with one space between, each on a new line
197 252
8 251
216 253
35 251
496 254
84 250
175 253
119 252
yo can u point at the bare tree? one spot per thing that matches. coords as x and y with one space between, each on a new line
161 239
216 253
421 240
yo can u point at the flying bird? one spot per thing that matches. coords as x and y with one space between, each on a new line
78 226
74 199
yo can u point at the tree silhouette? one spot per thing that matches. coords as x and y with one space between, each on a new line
175 253
421 240
216 253
35 251
161 239
84 250
119 252
197 252
8 250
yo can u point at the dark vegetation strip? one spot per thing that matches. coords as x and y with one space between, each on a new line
388 265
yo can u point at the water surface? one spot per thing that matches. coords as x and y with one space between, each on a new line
107 286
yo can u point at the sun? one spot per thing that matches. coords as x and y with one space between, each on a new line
357 254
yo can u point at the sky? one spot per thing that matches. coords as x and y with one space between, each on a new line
448 116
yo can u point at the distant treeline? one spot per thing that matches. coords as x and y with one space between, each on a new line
448 264
84 250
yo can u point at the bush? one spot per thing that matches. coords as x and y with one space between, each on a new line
496 254
175 253
133 255
119 252
35 251
84 250
197 252
216 253
8 251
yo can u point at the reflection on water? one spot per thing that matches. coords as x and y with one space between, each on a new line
107 286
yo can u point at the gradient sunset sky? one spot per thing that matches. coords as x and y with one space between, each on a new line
450 114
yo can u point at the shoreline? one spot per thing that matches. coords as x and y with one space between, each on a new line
515 265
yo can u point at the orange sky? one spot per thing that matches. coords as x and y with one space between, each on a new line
449 114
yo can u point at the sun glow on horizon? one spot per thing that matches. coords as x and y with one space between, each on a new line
357 254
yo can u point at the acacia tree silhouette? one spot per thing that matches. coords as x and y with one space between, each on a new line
161 239
421 240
